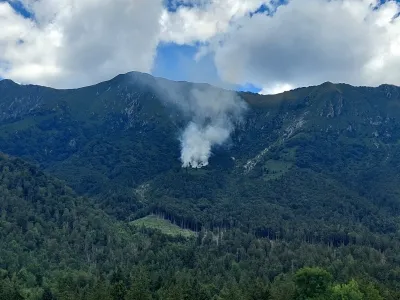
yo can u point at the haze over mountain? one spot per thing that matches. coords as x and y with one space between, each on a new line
312 171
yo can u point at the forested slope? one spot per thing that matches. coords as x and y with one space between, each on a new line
308 178
56 245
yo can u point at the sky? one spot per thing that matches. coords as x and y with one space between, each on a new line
264 46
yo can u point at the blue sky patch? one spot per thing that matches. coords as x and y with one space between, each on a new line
173 5
177 62
20 8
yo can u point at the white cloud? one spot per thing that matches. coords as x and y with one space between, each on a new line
304 42
276 89
72 43
204 19
309 42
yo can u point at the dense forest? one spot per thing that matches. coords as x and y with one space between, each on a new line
301 203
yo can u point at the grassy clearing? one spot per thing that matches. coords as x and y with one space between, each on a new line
165 226
276 168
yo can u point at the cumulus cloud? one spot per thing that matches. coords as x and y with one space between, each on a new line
70 43
300 43
204 19
308 42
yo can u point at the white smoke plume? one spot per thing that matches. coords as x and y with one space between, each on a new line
197 142
213 114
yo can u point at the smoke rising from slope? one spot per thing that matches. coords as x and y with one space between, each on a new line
213 114
197 141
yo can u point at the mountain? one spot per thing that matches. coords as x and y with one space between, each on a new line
121 134
312 172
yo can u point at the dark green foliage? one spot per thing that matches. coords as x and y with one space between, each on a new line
282 288
312 283
48 295
65 248
349 291
314 182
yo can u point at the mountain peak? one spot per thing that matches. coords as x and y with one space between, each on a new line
328 84
131 76
7 82
386 85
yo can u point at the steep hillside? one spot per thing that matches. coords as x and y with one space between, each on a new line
313 170
121 133
48 233
56 245
87 125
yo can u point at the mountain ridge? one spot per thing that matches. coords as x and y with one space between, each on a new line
137 73
308 177
121 105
